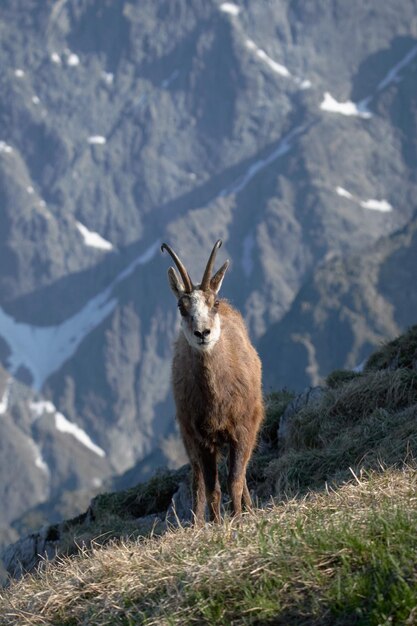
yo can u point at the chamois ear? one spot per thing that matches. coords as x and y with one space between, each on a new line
176 284
216 281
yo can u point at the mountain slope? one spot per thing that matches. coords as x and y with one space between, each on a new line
348 307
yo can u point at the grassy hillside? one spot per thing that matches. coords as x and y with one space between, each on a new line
336 546
338 557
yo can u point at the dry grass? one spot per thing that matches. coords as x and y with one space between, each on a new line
339 557
341 408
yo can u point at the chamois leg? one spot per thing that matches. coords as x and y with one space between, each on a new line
199 495
208 461
238 459
197 484
247 500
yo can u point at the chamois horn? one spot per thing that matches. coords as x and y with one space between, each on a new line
205 283
181 268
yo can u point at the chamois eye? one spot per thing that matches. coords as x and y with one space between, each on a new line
216 304
182 308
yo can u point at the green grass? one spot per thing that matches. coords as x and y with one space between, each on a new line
399 353
341 557
147 498
341 377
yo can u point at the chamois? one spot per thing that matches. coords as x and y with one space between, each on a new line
216 378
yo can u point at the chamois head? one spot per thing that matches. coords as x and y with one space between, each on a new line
198 304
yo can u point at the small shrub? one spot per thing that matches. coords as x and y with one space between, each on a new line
399 353
147 498
341 377
317 425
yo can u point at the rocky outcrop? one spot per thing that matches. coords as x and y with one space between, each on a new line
163 502
309 396
26 554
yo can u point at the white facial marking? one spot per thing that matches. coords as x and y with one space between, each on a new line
203 320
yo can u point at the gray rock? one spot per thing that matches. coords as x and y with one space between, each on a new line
24 555
311 395
150 524
179 511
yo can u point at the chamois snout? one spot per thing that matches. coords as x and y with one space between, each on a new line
202 335
200 320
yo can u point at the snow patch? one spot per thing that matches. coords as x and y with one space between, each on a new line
92 239
97 139
377 205
261 54
230 8
4 147
344 193
41 464
4 402
39 460
41 407
19 73
35 99
374 205
108 77
345 108
55 58
360 109
65 426
278 68
42 350
73 59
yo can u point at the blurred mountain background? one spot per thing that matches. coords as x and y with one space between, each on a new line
288 129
